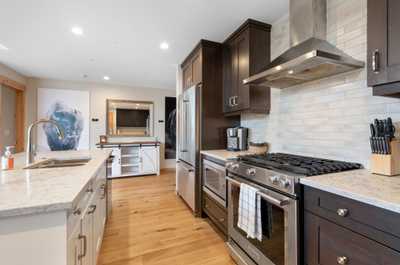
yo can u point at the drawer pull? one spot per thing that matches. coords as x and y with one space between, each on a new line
342 260
80 256
77 211
221 220
342 212
92 209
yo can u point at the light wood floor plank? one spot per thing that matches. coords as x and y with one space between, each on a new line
150 225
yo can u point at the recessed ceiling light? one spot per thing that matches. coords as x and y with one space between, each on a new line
2 47
290 72
164 45
106 78
77 31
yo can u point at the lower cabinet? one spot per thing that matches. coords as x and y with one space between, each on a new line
85 238
335 233
330 244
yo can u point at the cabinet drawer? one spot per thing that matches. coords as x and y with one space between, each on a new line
371 221
329 244
217 213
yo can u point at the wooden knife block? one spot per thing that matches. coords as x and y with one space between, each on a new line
388 165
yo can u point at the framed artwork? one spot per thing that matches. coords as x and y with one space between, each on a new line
71 110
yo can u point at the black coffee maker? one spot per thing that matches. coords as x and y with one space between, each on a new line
237 139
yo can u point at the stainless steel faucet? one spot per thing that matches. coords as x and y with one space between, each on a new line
29 148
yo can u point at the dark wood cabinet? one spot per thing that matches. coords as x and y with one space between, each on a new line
192 69
339 230
331 244
246 52
383 56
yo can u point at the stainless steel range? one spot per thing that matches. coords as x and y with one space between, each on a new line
276 177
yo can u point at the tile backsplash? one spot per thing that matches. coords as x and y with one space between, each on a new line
326 118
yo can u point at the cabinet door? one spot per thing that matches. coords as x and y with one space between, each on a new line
196 69
116 164
329 244
230 66
149 159
383 41
74 246
86 237
187 76
99 219
242 99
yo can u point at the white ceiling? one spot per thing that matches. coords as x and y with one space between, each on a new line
121 37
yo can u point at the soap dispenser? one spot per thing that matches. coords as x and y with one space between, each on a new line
7 160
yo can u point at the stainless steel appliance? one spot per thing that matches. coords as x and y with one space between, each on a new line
310 57
189 135
214 182
237 138
276 177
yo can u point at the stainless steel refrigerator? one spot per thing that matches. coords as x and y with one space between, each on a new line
189 144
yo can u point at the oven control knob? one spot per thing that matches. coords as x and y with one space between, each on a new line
234 166
251 171
284 183
274 179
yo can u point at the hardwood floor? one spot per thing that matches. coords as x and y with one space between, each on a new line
150 225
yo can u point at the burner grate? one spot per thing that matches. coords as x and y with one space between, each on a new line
308 166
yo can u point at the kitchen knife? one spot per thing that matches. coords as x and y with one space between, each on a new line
390 128
372 138
376 138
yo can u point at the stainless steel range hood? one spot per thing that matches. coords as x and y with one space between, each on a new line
310 57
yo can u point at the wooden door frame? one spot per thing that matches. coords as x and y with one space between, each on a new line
20 111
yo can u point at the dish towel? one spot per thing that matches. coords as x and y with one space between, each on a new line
249 219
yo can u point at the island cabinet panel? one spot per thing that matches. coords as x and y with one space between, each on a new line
383 42
340 230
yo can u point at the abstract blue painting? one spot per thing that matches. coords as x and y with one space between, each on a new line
70 108
70 121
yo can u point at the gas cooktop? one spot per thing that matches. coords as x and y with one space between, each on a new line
283 171
301 165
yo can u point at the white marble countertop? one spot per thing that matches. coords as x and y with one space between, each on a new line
35 191
225 155
362 186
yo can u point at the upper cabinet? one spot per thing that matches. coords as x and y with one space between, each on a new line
245 53
191 69
383 42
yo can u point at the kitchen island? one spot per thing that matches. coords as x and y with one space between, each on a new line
53 215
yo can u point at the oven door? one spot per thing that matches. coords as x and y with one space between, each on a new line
214 178
280 223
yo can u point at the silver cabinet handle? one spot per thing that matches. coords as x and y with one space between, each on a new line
342 260
375 61
80 256
92 209
103 188
235 100
77 211
230 101
342 212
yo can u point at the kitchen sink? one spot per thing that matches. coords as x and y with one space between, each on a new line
55 163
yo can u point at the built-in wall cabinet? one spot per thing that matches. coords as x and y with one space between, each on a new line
383 42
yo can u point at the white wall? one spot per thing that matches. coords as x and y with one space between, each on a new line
326 118
99 93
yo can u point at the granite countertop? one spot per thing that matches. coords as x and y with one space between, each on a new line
362 186
34 191
225 155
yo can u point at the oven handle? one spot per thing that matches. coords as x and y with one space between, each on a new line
266 197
